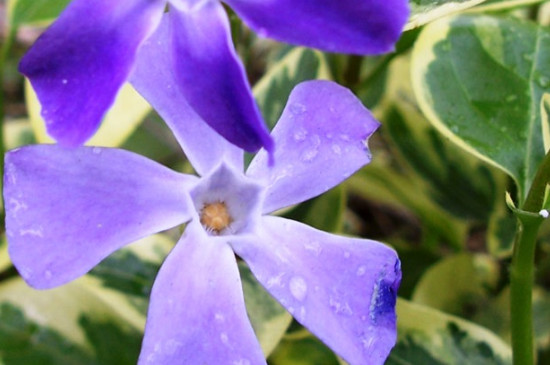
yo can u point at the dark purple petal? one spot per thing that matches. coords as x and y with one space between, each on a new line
154 78
346 26
321 140
211 76
197 313
65 212
342 289
78 65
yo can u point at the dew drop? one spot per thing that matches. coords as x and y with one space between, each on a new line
314 247
313 150
340 307
309 154
336 149
511 98
96 150
224 338
298 287
64 81
300 134
297 108
361 270
543 81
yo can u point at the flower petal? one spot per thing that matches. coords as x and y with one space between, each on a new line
197 313
78 65
342 289
154 78
345 26
67 210
321 140
211 76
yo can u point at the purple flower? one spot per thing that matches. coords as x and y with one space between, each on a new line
67 210
78 65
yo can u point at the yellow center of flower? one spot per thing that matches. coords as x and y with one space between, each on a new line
215 217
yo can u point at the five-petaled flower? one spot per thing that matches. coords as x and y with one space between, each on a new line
78 65
66 210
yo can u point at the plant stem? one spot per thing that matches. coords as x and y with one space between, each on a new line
521 289
522 268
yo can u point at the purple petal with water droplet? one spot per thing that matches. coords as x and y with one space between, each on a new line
197 313
68 210
342 289
321 140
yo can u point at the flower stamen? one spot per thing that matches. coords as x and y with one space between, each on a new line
215 217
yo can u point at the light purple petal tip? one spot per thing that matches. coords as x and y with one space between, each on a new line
197 313
321 140
342 289
212 78
344 26
78 65
154 78
65 212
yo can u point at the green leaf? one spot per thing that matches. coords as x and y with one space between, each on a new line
127 112
126 277
23 341
66 325
34 11
456 181
425 11
302 348
272 91
545 111
480 81
269 319
378 182
496 316
5 261
324 212
471 277
429 337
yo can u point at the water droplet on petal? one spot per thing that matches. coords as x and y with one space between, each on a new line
314 247
64 81
361 270
340 307
96 150
297 108
336 149
313 149
274 280
224 338
300 134
298 287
